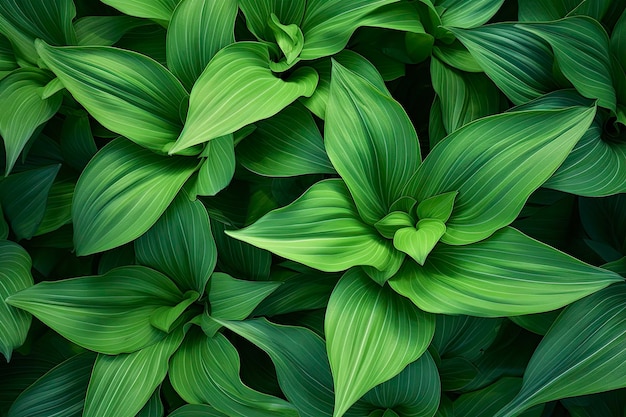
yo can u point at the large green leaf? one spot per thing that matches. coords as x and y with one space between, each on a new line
125 91
371 142
461 14
154 406
505 275
582 353
111 313
238 88
58 207
217 168
60 392
464 336
180 244
323 230
542 11
160 10
190 46
487 401
235 299
104 30
122 193
77 142
206 371
15 275
495 163
372 333
121 385
24 109
610 403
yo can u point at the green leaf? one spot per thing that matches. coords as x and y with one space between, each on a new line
58 207
77 142
418 241
582 353
393 222
456 373
206 370
218 167
180 244
610 403
487 401
483 279
542 11
121 385
159 10
24 197
372 333
126 92
154 406
288 37
60 392
24 109
618 40
190 46
437 207
458 13
4 227
258 14
196 410
371 142
15 275
104 30
456 56
238 88
323 230
287 144
108 313
495 163
464 336
235 299
7 57
537 323
122 192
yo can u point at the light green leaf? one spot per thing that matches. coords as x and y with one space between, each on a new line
418 241
109 313
495 163
60 392
159 10
323 230
121 385
58 207
235 299
122 193
393 222
24 110
287 144
104 30
582 353
371 142
180 244
190 46
461 14
15 275
258 14
77 142
125 91
372 333
196 410
437 207
218 167
483 279
238 88
206 370
288 37
542 11
398 16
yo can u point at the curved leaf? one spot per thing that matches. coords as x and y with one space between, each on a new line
505 275
464 336
218 167
104 30
58 207
77 142
372 333
618 40
258 14
196 410
160 10
154 406
461 14
125 91
7 57
122 192
542 11
235 299
238 88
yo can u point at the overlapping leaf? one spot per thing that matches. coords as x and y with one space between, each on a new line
160 10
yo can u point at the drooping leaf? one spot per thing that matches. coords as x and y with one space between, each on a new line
370 141
495 163
180 244
104 30
159 10
235 299
290 41
190 46
218 167
504 275
372 333
122 192
126 92
456 56
110 313
206 370
323 230
238 88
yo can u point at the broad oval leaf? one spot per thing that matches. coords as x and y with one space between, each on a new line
582 353
58 207
372 333
125 91
506 274
495 163
238 88
122 192
323 230
371 142
15 275
160 10
110 313
180 244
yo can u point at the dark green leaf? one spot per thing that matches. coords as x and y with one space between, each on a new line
458 13
258 13
542 11
196 410
160 10
77 141
104 30
154 406
58 207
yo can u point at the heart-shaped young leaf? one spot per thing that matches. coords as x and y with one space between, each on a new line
160 10
495 164
393 222
372 333
438 207
582 353
180 244
460 14
206 370
190 46
238 88
15 275
110 313
323 230
418 241
125 91
105 30
122 193
235 299
371 142
258 15
121 385
505 275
